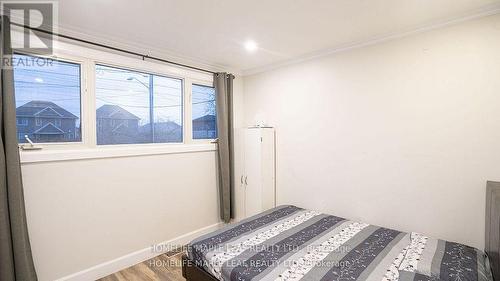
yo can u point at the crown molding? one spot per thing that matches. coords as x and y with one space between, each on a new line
488 11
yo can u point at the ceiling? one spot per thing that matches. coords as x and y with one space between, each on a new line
212 32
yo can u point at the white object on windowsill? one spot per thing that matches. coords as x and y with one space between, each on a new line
30 146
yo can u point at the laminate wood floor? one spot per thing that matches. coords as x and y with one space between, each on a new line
165 267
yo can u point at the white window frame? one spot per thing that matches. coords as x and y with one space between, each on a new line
88 58
83 79
149 72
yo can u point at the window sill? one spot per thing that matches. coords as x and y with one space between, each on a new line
110 152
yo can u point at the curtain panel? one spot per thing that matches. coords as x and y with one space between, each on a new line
16 262
223 83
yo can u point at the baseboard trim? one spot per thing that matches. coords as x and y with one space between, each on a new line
112 266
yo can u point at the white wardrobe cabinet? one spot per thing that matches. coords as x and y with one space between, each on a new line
258 179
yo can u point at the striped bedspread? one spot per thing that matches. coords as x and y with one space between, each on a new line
290 243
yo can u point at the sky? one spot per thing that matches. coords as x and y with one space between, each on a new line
60 84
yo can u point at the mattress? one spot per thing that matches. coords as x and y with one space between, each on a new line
291 243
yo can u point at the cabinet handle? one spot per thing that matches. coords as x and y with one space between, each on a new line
241 179
246 180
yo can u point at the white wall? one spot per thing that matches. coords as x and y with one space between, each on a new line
402 134
84 213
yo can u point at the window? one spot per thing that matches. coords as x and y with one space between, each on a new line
22 122
140 107
47 92
204 112
126 108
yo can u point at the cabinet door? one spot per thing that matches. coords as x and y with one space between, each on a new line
253 172
268 169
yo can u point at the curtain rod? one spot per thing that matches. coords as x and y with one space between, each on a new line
113 48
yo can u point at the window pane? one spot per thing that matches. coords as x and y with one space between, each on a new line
204 112
167 102
127 101
47 100
122 102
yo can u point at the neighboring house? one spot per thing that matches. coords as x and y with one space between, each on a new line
45 121
205 127
164 132
116 125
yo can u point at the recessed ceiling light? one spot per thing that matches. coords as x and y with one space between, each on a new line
251 46
39 80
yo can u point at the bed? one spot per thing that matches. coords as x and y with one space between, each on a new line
291 243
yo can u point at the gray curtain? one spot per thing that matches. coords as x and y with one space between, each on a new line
16 262
223 83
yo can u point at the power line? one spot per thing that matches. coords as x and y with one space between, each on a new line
29 84
142 106
45 71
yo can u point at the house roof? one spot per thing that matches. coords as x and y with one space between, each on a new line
203 123
49 129
109 111
206 118
43 109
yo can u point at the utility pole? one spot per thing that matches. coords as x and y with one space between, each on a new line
151 105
